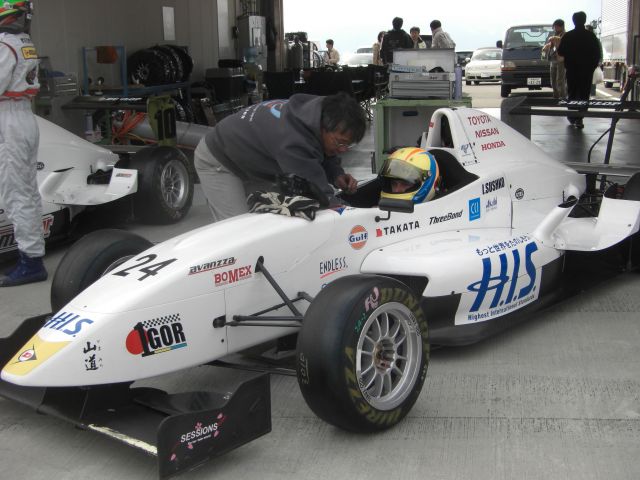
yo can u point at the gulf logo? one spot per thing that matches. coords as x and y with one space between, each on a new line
358 237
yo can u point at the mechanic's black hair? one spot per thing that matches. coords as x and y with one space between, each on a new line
579 19
380 36
330 42
435 24
559 22
397 23
342 113
414 29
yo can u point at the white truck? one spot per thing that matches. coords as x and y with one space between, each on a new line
613 36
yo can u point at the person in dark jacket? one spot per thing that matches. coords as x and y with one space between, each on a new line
394 39
302 135
581 51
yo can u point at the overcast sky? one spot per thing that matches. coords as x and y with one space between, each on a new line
471 23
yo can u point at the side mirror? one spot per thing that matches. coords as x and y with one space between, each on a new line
396 205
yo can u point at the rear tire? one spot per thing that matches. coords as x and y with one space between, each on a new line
89 259
505 91
165 185
363 353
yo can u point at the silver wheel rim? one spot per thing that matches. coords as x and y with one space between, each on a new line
173 184
388 356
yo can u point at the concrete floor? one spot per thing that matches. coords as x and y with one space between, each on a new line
555 398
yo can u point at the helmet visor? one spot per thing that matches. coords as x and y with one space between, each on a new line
394 169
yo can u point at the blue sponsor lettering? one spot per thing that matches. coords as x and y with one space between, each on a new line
474 209
62 320
498 282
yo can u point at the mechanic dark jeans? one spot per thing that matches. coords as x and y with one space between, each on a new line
578 88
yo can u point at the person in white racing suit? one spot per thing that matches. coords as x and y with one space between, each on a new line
19 137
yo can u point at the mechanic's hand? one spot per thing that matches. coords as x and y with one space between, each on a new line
346 183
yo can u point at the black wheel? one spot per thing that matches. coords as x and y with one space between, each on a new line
165 185
504 91
476 82
185 59
89 259
363 353
467 82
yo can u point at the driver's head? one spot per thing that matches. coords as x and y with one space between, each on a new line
15 16
410 174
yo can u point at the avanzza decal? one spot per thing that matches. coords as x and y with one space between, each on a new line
493 185
206 267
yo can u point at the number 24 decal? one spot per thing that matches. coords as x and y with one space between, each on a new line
149 270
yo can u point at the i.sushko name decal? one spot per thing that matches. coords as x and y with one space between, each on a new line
158 335
509 281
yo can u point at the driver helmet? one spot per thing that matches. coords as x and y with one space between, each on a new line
410 174
15 16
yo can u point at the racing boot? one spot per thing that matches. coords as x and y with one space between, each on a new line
28 270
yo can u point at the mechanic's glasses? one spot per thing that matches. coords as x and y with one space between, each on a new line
342 145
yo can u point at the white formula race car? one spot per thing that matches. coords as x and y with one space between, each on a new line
367 287
75 175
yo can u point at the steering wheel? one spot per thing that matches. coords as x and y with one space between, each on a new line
292 184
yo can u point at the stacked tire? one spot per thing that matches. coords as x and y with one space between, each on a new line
159 65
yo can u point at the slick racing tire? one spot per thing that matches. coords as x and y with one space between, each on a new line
363 352
165 185
90 258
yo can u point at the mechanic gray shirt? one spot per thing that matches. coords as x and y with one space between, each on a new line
273 137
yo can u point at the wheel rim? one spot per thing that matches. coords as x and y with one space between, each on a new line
389 355
173 184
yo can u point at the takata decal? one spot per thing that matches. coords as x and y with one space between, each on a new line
335 265
493 185
201 431
502 288
474 209
401 227
8 239
158 335
92 358
232 276
68 323
358 237
207 267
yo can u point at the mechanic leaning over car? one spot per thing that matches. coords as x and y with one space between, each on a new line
302 135
19 137
410 173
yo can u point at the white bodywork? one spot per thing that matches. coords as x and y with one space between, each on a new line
64 163
487 241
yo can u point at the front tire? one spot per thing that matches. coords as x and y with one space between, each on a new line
165 185
89 259
363 353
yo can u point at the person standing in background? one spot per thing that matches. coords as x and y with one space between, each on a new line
418 42
441 39
556 62
581 51
19 138
394 39
377 60
333 56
